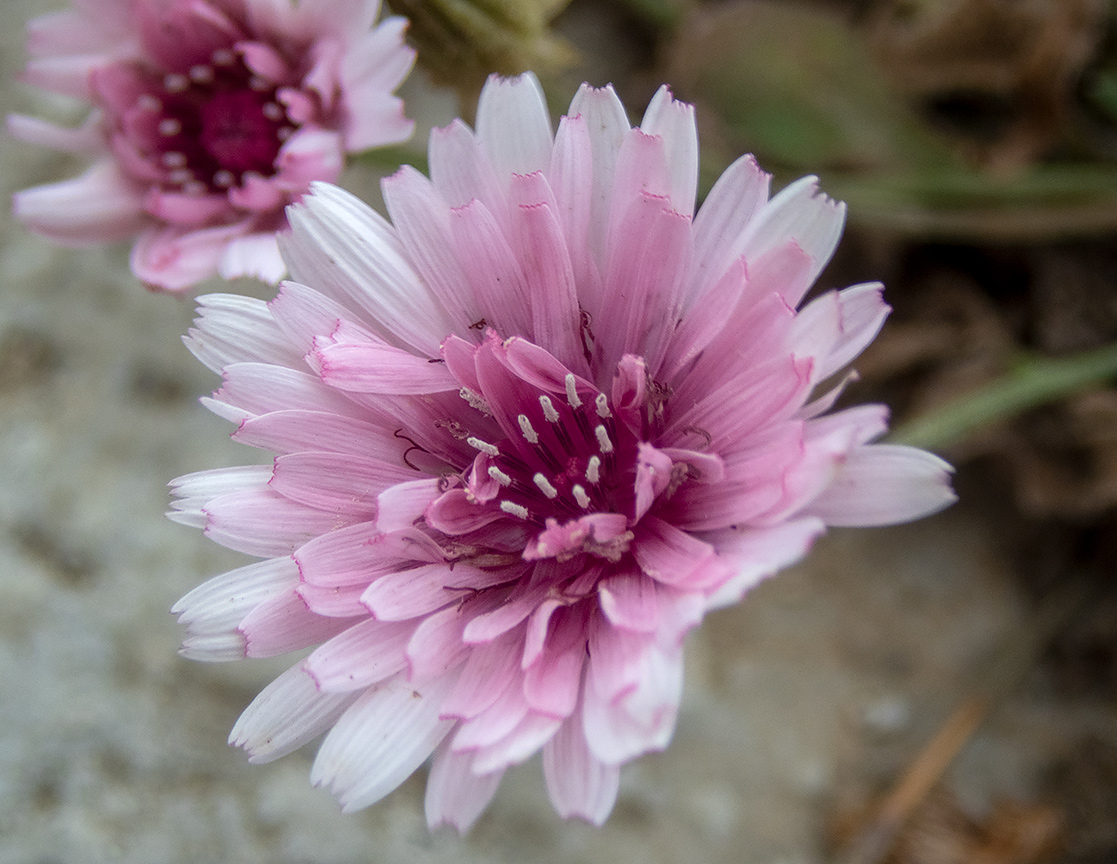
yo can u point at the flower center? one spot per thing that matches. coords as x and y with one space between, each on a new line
566 468
209 127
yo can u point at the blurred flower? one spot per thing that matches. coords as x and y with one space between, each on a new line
528 434
210 116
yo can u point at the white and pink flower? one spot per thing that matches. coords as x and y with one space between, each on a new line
209 117
527 435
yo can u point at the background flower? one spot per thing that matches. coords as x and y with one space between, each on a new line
210 116
527 435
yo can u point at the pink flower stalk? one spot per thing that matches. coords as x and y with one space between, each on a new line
209 117
528 434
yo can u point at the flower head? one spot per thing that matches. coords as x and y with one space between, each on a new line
527 435
210 116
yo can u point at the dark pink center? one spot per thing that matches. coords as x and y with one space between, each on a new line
236 134
203 129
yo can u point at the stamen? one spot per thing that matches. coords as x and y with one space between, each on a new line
272 111
545 486
169 126
484 446
476 401
499 476
284 132
514 509
223 57
258 84
147 102
593 468
549 409
181 175
201 73
174 159
529 432
194 187
572 391
603 442
175 83
580 496
603 407
223 178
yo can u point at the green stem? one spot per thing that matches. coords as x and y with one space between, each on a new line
1032 382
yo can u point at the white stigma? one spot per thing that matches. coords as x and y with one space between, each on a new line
549 409
545 486
174 159
223 57
202 74
272 111
484 446
603 442
529 431
593 468
169 126
602 406
514 509
223 178
175 83
572 391
580 496
499 476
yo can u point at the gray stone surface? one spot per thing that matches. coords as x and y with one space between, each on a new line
112 748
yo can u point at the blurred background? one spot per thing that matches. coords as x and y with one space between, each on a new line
935 693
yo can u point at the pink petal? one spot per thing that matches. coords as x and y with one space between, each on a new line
87 139
254 255
174 259
284 623
340 243
578 783
531 733
287 714
381 740
379 368
335 482
231 328
100 206
411 593
310 154
455 795
460 171
364 654
212 612
673 122
436 646
720 223
260 522
672 556
629 601
607 124
802 213
885 484
497 283
758 553
513 125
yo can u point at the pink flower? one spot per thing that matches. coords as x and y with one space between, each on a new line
528 434
209 117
